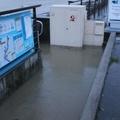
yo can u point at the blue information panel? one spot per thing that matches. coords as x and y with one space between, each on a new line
16 36
16 39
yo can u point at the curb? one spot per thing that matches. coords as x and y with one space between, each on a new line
92 102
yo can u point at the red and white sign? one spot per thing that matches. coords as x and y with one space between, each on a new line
72 18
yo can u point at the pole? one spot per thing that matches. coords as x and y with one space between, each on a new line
94 9
99 8
81 2
89 9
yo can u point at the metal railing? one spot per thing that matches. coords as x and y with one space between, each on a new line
92 7
95 7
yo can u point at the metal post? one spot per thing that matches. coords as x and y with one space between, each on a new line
101 7
106 4
94 9
81 2
98 7
35 29
89 9
39 32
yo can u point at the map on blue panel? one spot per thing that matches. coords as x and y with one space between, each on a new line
16 37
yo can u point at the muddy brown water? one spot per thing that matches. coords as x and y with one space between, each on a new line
59 90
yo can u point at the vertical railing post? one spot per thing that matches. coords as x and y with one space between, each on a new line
89 9
81 2
94 9
98 7
35 29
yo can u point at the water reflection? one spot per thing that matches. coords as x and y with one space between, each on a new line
59 90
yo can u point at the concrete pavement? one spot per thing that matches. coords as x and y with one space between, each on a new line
92 103
110 101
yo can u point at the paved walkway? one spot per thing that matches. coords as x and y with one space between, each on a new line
110 101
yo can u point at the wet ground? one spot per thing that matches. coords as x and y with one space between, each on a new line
59 90
110 100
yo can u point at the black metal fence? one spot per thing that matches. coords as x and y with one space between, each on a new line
92 7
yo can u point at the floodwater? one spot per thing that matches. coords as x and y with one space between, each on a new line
59 90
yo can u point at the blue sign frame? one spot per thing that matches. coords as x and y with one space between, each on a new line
16 40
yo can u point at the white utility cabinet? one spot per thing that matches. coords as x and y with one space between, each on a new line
99 33
94 32
89 32
99 27
67 25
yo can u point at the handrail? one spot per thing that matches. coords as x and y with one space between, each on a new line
96 6
72 1
18 9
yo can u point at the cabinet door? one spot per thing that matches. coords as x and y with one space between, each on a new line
72 27
57 26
